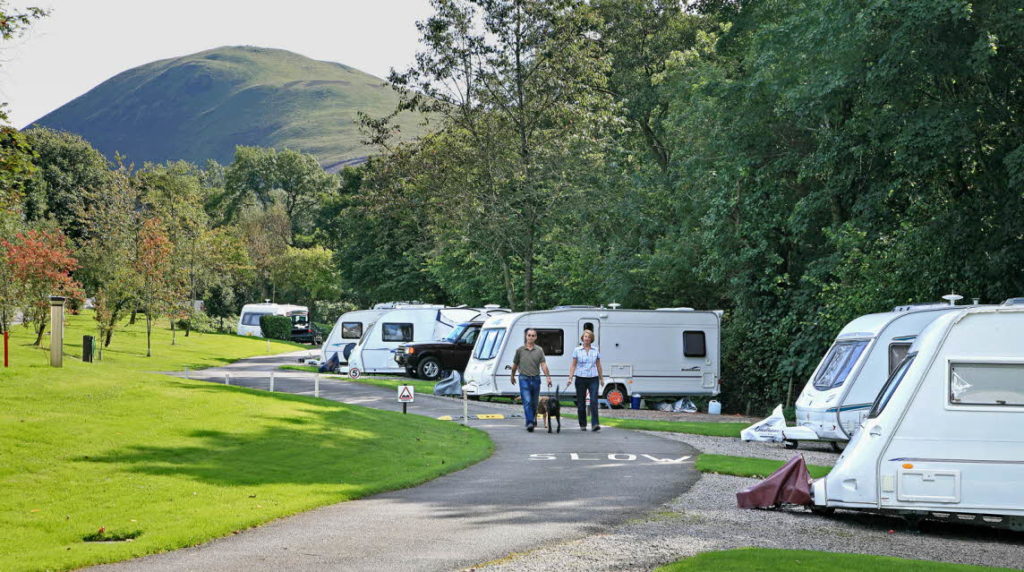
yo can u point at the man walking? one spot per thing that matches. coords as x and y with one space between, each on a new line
529 361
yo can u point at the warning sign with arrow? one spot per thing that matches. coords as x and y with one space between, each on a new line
406 394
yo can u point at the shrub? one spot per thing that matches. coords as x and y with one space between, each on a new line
276 327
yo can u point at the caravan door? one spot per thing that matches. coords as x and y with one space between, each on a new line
592 324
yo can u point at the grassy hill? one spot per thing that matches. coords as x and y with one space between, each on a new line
201 106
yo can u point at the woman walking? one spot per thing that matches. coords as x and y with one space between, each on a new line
586 371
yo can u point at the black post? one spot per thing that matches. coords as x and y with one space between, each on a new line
404 406
87 348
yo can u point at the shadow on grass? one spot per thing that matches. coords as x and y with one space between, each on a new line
324 445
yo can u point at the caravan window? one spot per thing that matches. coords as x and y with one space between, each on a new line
396 332
838 364
351 330
897 352
552 341
253 318
890 386
996 384
489 343
693 344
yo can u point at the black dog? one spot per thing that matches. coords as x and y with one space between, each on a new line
549 406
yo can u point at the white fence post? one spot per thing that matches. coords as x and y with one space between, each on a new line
316 386
271 382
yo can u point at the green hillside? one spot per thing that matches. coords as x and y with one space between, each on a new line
201 106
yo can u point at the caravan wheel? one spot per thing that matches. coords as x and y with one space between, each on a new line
616 396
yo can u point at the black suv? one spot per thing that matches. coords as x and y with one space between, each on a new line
429 360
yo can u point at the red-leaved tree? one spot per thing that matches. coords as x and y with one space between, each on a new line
40 264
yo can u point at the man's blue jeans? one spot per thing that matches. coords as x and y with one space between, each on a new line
529 389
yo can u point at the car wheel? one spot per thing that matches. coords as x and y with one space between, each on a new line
838 446
615 395
429 368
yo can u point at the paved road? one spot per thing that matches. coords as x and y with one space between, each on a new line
536 489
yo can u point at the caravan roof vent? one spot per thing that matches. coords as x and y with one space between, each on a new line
1014 302
680 309
614 305
491 306
572 306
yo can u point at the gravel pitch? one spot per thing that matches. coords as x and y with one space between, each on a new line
706 518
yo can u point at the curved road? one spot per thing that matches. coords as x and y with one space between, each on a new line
537 488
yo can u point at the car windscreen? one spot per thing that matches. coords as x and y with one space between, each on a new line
838 363
454 335
489 343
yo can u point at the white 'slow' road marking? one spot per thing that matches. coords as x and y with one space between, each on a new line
622 457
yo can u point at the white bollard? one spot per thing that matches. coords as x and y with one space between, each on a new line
316 386
227 379
465 408
186 374
271 382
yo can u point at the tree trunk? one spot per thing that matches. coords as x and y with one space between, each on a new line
149 329
132 320
174 333
40 329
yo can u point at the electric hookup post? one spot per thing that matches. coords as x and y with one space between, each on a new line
406 395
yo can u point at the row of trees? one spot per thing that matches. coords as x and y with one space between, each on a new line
795 163
154 239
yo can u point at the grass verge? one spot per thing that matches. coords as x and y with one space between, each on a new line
139 462
420 385
748 466
711 428
773 559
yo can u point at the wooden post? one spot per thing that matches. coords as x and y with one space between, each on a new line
57 331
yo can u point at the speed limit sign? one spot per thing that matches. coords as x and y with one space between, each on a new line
354 373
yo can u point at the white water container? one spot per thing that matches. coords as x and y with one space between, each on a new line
714 407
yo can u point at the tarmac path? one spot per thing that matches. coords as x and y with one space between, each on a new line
536 489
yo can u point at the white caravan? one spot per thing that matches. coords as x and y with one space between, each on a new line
945 435
669 352
350 326
373 352
840 391
249 320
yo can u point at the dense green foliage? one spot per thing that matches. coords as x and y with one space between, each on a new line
796 164
276 327
200 106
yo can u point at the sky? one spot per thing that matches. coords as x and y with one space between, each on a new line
85 42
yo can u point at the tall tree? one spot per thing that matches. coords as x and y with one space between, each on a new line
69 172
520 83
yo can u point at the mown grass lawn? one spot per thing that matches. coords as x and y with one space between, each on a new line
748 466
176 462
711 428
772 559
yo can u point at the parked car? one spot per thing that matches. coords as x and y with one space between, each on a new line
429 360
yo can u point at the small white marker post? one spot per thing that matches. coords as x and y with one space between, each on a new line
186 373
465 407
406 395
271 382
316 386
227 379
